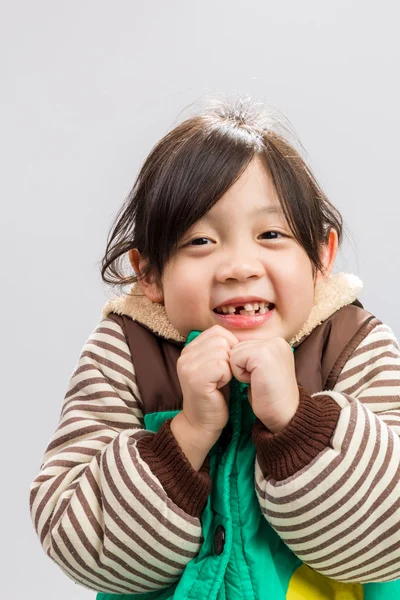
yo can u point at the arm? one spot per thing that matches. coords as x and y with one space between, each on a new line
116 507
329 482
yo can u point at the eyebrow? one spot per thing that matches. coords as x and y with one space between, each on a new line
267 210
258 212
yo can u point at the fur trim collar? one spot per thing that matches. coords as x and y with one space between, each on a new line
331 294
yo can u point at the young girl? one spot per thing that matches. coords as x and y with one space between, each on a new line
231 428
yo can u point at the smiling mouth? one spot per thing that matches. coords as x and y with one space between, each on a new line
250 309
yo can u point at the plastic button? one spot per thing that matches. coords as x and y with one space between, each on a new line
219 539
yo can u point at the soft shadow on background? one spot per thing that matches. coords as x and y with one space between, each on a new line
87 88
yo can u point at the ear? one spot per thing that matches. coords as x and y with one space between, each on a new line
148 284
328 254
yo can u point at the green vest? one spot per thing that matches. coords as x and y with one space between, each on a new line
242 557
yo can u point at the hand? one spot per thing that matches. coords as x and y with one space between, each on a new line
268 366
203 369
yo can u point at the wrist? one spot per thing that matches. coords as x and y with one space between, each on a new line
194 442
277 421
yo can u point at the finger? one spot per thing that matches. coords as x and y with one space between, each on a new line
201 356
239 371
217 372
207 347
215 331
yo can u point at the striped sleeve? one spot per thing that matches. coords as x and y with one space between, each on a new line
98 508
340 510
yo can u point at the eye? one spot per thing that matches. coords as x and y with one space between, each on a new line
201 241
271 235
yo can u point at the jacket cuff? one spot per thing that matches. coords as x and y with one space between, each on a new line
284 453
186 487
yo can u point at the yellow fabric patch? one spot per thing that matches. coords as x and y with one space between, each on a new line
306 584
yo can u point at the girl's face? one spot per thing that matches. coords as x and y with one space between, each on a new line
240 267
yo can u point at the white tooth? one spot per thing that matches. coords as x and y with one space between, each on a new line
261 304
231 310
262 311
248 307
247 313
256 306
224 309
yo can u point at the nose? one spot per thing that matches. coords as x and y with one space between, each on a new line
239 267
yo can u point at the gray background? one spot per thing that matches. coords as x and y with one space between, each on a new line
87 88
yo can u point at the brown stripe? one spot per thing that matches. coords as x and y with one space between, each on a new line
161 558
111 332
89 408
152 509
382 383
95 555
135 516
42 479
50 492
348 496
134 405
353 510
389 413
53 520
391 576
136 557
78 576
357 369
69 437
149 506
34 491
371 346
83 565
111 348
379 400
69 464
88 397
116 426
90 515
384 553
109 363
109 535
376 525
327 472
390 423
81 385
370 375
108 381
135 572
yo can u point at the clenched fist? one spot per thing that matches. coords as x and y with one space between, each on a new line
268 366
203 369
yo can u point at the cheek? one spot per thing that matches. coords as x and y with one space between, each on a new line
182 293
296 282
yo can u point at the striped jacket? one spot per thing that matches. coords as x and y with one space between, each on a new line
118 507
